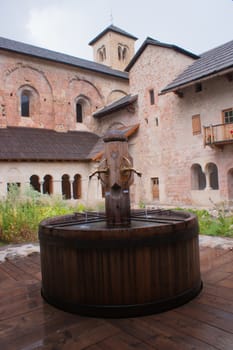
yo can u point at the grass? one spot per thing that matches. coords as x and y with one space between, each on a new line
219 224
21 213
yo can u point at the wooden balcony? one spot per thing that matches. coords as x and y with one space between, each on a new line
218 135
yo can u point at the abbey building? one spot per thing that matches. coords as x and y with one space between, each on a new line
175 107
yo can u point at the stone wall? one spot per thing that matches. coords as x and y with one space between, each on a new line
166 147
55 88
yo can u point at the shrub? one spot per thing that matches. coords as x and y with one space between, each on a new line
22 211
218 222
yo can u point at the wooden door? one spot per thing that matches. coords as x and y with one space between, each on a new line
155 187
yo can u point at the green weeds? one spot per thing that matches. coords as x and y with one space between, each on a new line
21 213
216 222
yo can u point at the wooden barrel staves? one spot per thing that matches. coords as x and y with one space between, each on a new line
121 272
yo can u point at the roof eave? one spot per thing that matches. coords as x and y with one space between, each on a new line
113 73
197 80
113 29
153 42
114 109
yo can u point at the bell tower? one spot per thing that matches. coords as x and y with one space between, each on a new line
113 47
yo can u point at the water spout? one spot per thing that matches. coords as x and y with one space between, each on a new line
116 175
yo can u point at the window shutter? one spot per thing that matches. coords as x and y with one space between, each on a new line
196 124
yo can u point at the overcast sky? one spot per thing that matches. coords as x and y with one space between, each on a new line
68 25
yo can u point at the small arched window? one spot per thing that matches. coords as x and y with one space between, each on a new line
102 54
212 173
25 103
198 179
79 112
122 52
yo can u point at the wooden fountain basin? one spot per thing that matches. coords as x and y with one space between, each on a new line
92 270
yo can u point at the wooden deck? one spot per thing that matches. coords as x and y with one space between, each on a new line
27 322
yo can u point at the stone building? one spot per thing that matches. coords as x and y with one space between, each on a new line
175 107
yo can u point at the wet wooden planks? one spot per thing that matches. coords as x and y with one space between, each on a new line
27 322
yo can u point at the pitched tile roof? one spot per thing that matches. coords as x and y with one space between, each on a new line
116 106
150 41
19 143
211 62
114 29
34 51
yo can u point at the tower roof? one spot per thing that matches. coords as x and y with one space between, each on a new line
114 29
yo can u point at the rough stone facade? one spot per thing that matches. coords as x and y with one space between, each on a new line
178 168
55 89
113 48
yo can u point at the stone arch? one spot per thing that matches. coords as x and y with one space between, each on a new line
101 53
84 85
82 108
116 125
122 51
35 182
14 178
25 75
48 184
86 91
20 67
198 179
65 186
230 184
77 190
211 172
14 175
115 95
32 105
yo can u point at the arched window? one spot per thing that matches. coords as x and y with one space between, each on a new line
102 53
230 184
198 179
48 184
79 112
82 108
35 183
65 185
119 52
25 103
77 193
29 101
212 173
122 51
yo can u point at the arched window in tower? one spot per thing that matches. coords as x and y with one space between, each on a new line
119 52
102 53
77 193
79 112
122 52
25 103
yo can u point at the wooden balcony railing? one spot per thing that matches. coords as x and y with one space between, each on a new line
218 135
